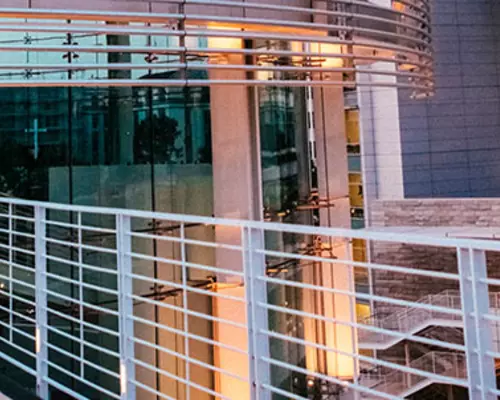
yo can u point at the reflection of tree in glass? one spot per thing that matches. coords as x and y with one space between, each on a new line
16 169
155 141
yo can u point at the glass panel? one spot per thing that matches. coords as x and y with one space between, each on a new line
286 190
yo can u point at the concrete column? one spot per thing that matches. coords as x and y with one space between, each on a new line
333 185
380 134
237 194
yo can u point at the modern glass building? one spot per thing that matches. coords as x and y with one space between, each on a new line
218 108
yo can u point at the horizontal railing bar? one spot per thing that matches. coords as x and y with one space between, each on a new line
180 379
79 245
84 342
186 241
490 281
102 29
367 265
64 224
381 299
17 347
18 331
83 265
438 378
493 354
197 83
18 282
321 12
83 380
423 75
17 217
151 17
89 286
490 317
247 34
282 392
284 7
21 299
162 17
85 323
63 388
186 264
329 378
309 26
25 268
19 315
382 236
187 311
83 360
17 249
369 328
151 390
188 334
189 359
83 303
188 288
367 359
16 233
18 364
203 51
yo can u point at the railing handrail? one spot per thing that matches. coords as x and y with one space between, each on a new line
366 234
243 280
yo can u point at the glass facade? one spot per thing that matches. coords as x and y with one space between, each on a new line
149 147
120 147
137 147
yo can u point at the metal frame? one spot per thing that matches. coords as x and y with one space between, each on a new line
473 308
375 33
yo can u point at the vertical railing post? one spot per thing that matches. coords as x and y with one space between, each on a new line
478 338
254 265
41 337
125 306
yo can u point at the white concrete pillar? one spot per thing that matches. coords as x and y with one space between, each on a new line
333 186
237 194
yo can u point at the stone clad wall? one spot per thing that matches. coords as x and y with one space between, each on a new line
477 213
450 142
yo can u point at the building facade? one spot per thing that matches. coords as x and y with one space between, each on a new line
218 108
445 145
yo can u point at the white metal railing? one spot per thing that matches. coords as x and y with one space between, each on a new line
446 364
123 304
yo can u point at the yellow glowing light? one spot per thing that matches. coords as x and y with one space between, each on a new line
328 48
38 342
123 379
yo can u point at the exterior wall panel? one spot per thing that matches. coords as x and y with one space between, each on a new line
459 127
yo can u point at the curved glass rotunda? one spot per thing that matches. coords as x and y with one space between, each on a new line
229 108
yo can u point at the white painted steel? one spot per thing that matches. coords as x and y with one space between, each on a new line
57 245
288 43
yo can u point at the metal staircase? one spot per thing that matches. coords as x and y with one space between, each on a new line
401 384
411 320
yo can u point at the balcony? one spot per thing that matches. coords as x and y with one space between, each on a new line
121 304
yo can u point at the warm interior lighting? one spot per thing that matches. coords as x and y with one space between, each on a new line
396 5
223 43
123 379
328 48
38 343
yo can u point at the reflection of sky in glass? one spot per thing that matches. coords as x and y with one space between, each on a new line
82 39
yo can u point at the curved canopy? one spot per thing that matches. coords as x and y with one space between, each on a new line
255 42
